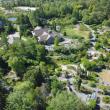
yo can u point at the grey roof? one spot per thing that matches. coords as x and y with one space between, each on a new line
39 32
46 35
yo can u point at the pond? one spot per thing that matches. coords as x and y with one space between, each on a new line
12 19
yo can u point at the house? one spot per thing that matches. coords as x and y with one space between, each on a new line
46 36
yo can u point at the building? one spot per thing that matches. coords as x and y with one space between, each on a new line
46 36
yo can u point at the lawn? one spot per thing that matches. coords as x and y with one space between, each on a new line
74 32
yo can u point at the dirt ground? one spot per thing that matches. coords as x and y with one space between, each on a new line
105 76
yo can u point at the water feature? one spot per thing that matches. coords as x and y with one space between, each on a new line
12 19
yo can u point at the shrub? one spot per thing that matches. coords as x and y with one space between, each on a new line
58 71
92 104
92 84
106 99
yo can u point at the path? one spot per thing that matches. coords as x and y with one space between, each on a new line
92 52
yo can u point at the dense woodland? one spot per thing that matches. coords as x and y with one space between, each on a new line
90 11
36 86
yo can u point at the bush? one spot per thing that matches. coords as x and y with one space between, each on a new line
106 99
83 27
86 90
106 23
105 89
58 71
93 77
92 104
74 20
92 84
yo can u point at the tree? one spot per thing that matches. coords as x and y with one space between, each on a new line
25 24
9 28
74 20
4 40
34 75
22 98
17 64
56 41
2 95
92 104
33 19
41 52
56 86
66 101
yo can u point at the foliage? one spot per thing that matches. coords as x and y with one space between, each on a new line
106 99
78 82
92 84
23 54
56 41
34 75
92 104
65 101
22 98
56 86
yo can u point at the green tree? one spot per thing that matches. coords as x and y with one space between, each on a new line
92 104
4 40
56 86
17 64
56 41
23 97
2 95
9 28
66 101
34 75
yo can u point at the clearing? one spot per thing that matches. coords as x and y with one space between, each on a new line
105 76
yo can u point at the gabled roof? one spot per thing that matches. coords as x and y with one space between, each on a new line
45 34
38 31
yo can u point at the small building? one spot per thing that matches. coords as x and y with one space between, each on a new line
46 36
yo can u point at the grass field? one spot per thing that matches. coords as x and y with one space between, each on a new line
74 32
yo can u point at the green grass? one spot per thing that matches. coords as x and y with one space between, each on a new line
73 32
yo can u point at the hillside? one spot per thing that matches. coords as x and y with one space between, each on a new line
54 54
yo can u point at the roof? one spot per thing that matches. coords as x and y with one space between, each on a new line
45 34
38 31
